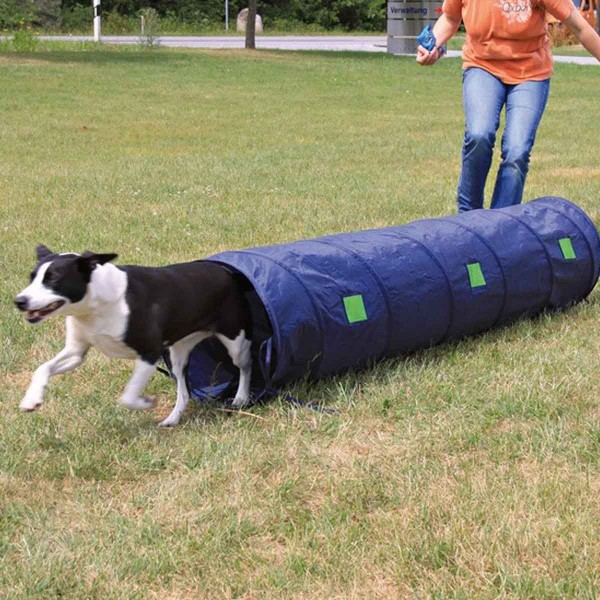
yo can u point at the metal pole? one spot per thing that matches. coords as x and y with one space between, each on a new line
97 20
226 15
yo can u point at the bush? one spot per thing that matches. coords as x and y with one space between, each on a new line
16 14
114 23
23 41
47 14
19 14
151 30
291 25
366 15
194 16
171 22
78 18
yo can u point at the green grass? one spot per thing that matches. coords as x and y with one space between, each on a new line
471 470
456 43
575 50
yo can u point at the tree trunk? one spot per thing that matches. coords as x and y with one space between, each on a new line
251 25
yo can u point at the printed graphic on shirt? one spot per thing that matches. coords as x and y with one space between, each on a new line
515 11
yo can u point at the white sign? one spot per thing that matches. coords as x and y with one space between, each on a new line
397 9
406 19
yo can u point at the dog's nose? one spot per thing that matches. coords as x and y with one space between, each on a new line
21 302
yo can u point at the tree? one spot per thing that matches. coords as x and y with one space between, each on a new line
47 13
251 26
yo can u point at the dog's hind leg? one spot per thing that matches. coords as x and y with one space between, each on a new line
239 351
70 357
179 353
132 396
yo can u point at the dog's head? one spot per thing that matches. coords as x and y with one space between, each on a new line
57 282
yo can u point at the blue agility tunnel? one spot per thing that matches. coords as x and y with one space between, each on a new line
341 301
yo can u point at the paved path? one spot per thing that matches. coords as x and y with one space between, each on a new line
340 43
292 42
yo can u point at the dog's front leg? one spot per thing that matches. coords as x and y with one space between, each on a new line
132 396
70 357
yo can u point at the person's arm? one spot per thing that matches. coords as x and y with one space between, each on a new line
444 28
584 32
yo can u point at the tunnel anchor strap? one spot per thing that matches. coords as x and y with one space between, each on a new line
265 361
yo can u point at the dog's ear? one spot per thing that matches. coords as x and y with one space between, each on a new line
88 261
43 252
101 259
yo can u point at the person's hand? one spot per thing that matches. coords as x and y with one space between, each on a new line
426 58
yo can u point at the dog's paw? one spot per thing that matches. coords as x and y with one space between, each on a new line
30 403
240 402
169 422
141 403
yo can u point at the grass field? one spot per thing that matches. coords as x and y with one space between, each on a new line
471 470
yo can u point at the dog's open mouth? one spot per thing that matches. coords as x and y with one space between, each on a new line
35 316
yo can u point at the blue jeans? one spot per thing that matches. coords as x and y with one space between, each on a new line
484 96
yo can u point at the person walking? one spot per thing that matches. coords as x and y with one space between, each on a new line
507 62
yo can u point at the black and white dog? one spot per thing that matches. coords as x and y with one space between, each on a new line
136 312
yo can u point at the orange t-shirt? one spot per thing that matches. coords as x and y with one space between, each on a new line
508 38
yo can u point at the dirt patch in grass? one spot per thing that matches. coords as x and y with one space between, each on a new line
22 60
19 380
255 55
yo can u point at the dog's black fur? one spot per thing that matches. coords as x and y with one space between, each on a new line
214 302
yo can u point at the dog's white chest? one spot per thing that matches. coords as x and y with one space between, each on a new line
105 327
112 347
106 334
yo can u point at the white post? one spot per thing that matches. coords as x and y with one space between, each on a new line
226 15
97 20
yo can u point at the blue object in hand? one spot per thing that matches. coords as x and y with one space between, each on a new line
427 39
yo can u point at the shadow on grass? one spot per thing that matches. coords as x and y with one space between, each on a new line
325 392
109 442
90 53
135 56
319 395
